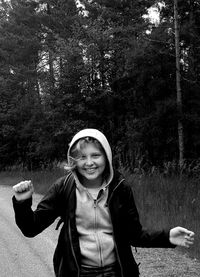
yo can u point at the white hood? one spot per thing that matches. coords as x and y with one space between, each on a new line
94 133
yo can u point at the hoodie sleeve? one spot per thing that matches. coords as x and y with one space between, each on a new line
32 222
140 237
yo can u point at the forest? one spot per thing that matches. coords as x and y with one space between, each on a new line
106 64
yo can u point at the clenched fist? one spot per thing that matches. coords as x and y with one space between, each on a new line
23 190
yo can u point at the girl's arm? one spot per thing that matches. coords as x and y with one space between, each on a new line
32 222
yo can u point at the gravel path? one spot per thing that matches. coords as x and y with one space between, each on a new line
166 263
21 256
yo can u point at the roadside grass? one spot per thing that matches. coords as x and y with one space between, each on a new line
162 202
166 202
42 179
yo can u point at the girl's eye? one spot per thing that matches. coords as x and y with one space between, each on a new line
96 155
82 157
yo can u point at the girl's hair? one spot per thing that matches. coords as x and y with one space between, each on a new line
75 151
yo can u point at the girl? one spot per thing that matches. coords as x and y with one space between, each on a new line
101 221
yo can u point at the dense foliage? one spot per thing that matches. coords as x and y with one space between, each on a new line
66 65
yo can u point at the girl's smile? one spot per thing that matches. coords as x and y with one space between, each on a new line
90 170
91 165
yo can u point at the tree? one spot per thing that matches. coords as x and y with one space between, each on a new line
178 87
19 47
103 65
189 68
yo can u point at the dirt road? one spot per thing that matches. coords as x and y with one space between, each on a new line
166 263
32 257
20 256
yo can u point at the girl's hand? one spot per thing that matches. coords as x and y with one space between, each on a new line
181 237
23 190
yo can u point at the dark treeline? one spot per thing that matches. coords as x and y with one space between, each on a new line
102 64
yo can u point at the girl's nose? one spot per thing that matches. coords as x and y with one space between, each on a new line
89 161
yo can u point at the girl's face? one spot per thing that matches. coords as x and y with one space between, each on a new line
91 165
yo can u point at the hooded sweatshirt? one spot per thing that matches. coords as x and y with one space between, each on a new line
92 215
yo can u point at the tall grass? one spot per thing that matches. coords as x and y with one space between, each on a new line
42 179
168 202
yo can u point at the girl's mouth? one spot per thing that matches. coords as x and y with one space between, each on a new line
90 170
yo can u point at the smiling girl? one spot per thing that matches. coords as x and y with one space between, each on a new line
101 221
89 159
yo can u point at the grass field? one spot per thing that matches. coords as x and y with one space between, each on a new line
161 201
41 179
168 202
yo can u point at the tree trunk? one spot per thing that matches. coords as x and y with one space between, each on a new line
50 55
178 87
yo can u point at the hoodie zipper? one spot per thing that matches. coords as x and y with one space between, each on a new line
117 252
72 248
95 229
